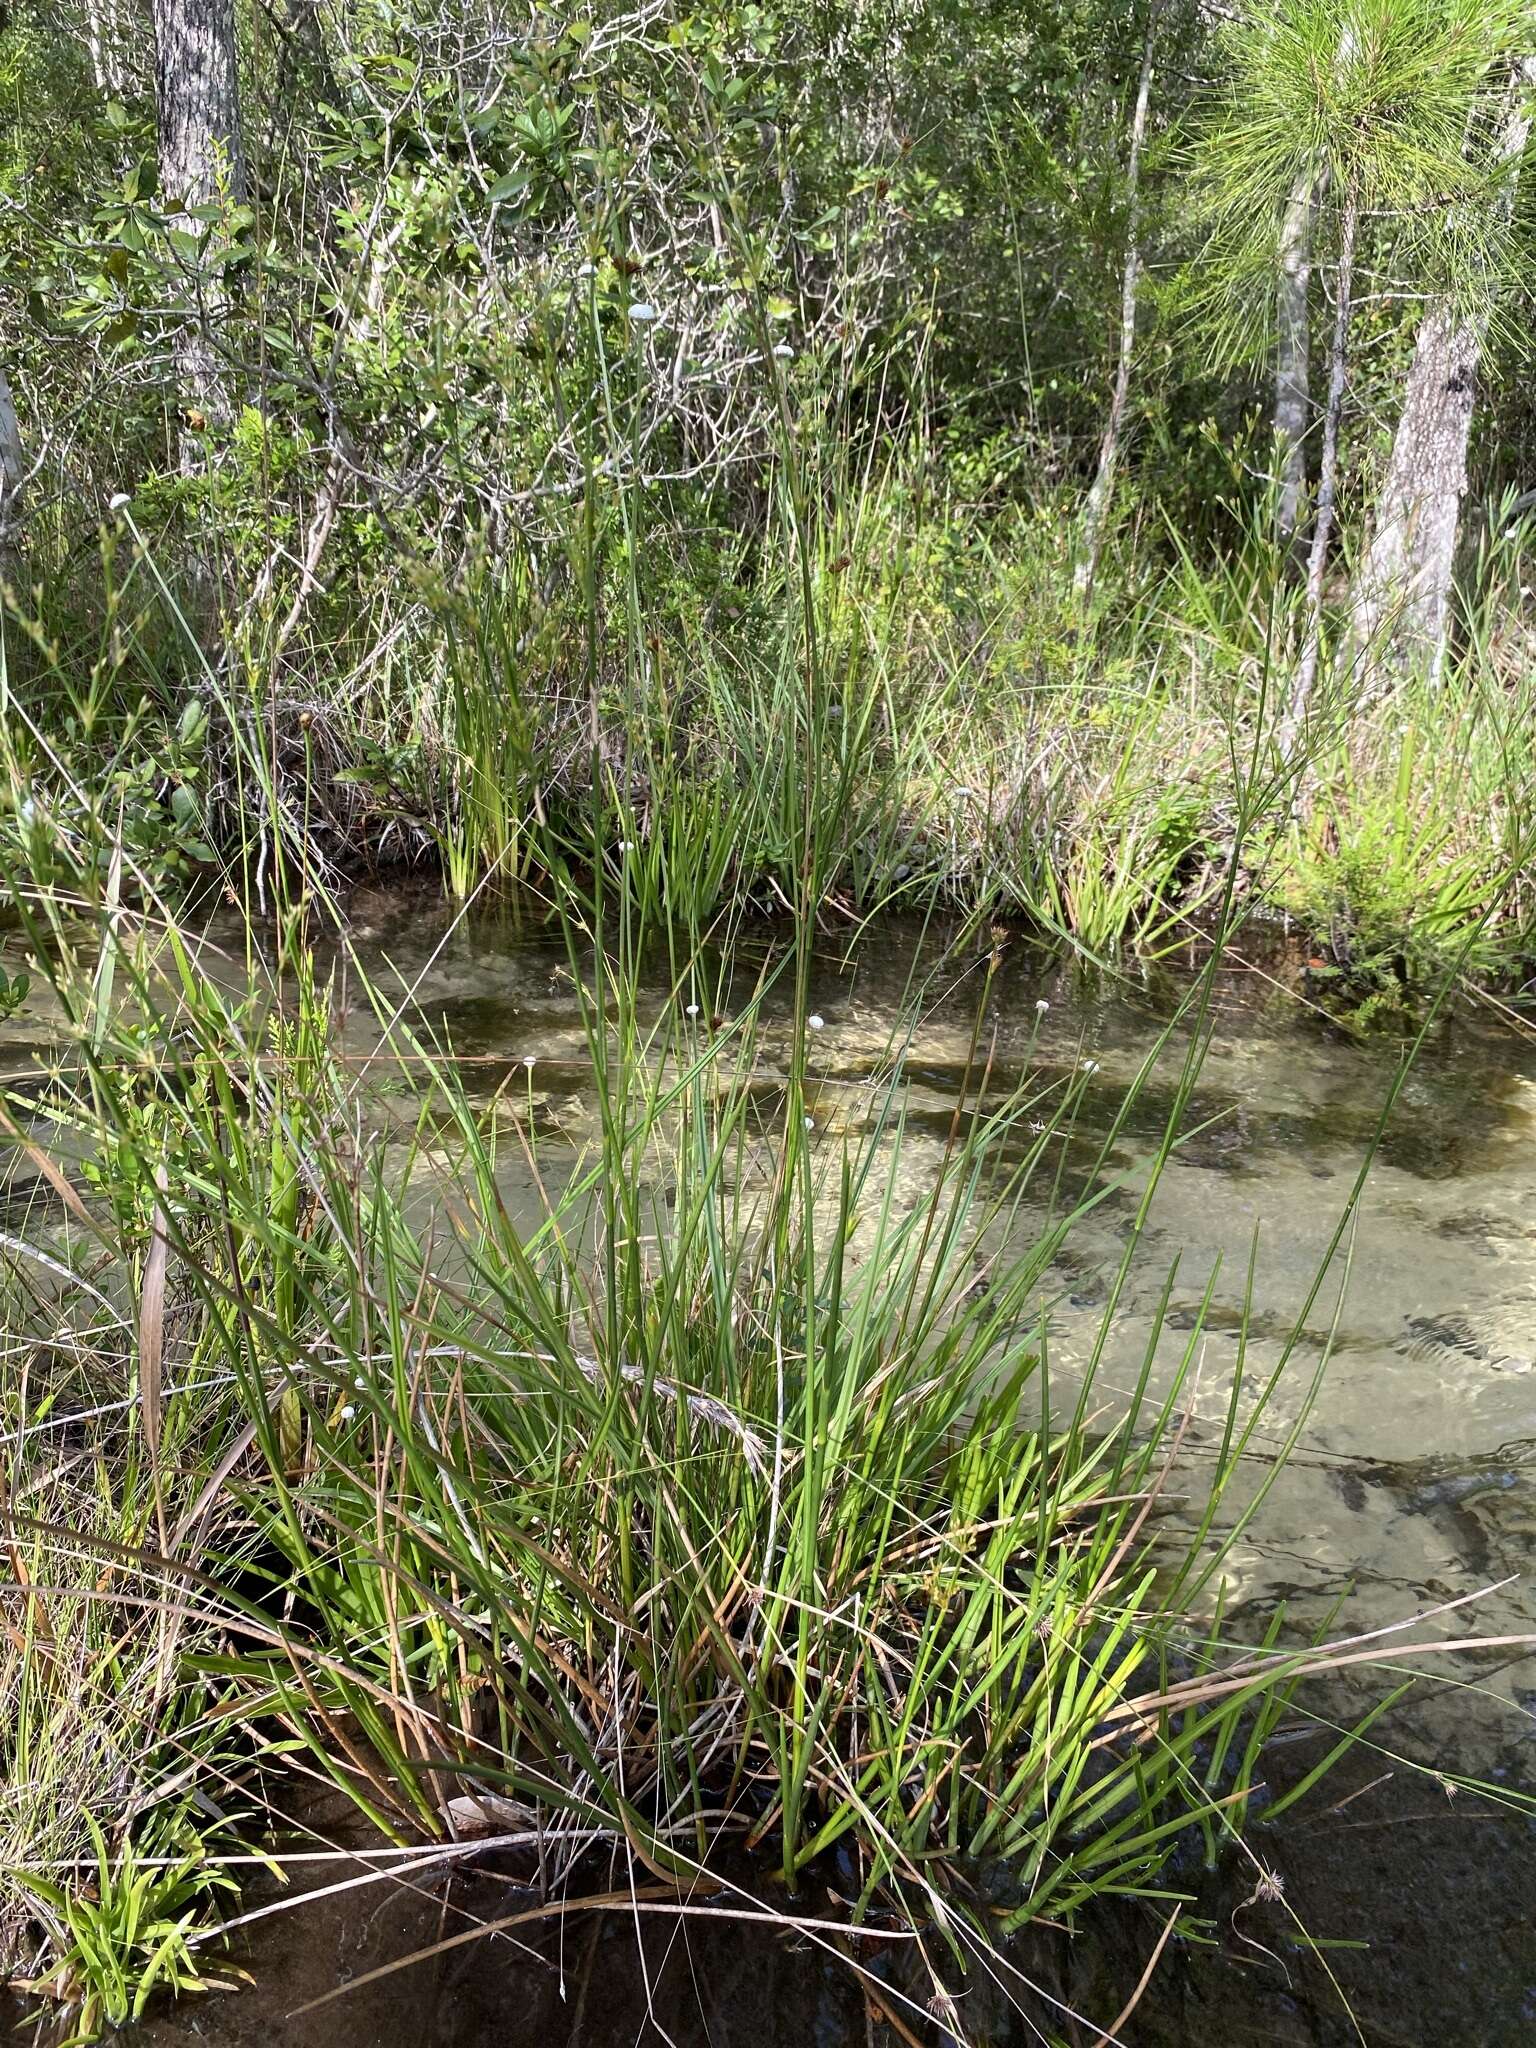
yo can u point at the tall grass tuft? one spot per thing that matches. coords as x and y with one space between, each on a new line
696 1492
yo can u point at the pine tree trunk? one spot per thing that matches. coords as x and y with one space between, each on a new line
103 39
12 472
1402 602
1305 679
1091 541
1292 368
197 102
1403 590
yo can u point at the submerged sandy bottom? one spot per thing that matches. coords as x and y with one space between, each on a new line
1415 1484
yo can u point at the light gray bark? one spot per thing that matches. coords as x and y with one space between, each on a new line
197 104
103 37
1305 679
1091 540
1403 589
1402 599
1292 351
13 472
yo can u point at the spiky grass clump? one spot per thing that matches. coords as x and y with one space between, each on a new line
693 1498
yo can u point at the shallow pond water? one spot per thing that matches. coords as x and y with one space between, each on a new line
1414 1484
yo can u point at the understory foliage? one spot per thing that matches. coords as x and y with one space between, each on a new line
604 420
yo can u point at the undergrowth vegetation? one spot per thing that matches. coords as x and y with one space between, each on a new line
907 689
659 435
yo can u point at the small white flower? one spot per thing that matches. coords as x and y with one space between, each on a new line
586 270
643 313
628 846
692 1010
810 1123
815 1022
783 351
359 1383
348 1412
528 1060
964 792
119 501
1090 1066
1041 1005
26 811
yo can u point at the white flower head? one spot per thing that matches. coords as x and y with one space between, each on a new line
1041 1005
692 1010
810 1123
783 351
359 1383
119 501
348 1412
1090 1066
529 1059
815 1022
643 313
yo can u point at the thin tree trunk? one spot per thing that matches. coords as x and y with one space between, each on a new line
102 37
1091 541
1402 604
197 102
12 473
1305 679
1292 351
